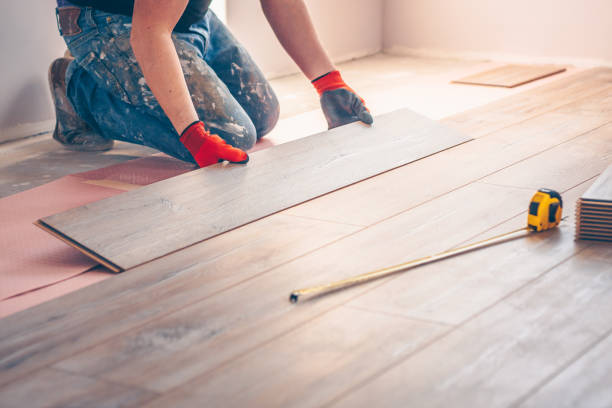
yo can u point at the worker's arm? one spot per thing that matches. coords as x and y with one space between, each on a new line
152 24
293 27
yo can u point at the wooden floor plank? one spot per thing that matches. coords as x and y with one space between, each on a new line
498 356
224 326
571 162
525 105
309 366
46 333
141 225
510 76
601 190
585 383
55 388
372 200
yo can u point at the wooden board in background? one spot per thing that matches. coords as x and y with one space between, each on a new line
510 76
155 220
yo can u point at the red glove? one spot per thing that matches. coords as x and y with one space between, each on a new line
340 104
209 149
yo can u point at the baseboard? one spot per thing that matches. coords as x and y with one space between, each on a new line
24 130
492 56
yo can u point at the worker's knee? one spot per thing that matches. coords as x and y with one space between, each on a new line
268 118
240 132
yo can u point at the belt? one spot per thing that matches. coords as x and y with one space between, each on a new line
68 20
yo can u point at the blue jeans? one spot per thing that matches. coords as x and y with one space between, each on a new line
107 88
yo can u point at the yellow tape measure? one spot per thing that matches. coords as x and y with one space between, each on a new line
545 210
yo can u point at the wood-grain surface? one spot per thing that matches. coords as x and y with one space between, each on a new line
138 226
601 190
509 76
521 323
556 95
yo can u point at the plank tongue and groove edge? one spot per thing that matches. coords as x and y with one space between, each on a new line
594 210
141 225
601 190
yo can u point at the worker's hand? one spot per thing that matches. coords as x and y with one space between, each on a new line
340 104
209 149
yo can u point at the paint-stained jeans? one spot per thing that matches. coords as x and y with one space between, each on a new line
108 90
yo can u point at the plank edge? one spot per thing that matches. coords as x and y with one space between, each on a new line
86 251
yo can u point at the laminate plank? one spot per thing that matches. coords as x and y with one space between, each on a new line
510 76
525 105
601 190
224 326
585 383
600 208
595 230
145 224
497 357
55 388
594 237
372 200
594 222
596 205
46 333
570 162
308 367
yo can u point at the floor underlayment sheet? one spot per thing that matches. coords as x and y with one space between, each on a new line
142 225
38 267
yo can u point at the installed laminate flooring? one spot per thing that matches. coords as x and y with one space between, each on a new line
521 323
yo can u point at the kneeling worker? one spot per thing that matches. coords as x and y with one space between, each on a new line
169 75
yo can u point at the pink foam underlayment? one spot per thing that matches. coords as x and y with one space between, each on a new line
33 259
35 266
39 295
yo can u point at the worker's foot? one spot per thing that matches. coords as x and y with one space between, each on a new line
70 130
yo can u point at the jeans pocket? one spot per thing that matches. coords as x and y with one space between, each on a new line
105 78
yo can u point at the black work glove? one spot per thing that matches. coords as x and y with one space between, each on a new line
340 104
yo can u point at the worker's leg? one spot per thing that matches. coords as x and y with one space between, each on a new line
108 90
235 67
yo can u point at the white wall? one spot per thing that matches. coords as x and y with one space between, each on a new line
29 41
558 31
347 28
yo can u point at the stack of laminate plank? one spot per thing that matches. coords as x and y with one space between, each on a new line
594 210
